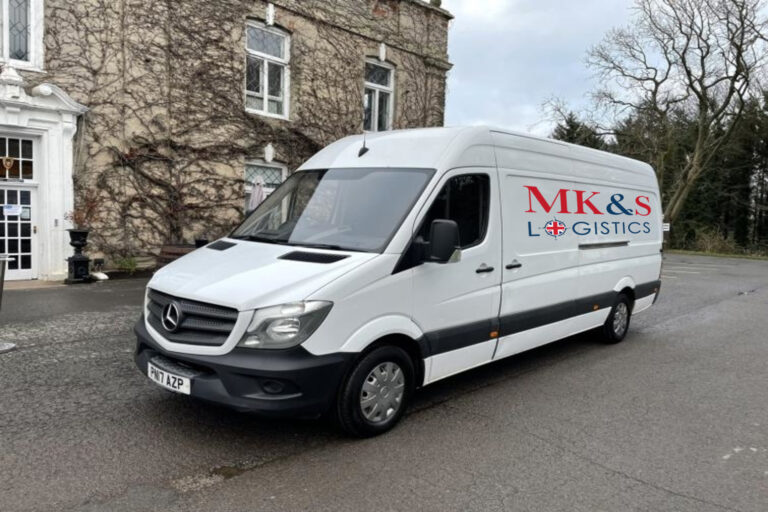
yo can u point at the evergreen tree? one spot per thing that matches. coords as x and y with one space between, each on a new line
572 130
729 202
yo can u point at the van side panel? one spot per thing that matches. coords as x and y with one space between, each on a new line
540 274
577 224
621 244
536 241
540 279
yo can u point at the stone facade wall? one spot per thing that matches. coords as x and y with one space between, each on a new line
162 150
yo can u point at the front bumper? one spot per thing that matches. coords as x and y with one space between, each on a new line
289 382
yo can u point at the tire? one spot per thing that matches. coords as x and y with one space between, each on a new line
362 409
617 324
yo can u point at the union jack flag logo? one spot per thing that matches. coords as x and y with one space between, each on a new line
555 228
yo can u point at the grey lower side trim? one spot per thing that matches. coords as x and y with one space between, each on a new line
646 289
454 338
519 322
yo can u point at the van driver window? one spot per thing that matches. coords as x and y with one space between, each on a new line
463 199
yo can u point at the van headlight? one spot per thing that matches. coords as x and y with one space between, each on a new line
286 325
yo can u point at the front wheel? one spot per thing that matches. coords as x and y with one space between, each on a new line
374 397
617 324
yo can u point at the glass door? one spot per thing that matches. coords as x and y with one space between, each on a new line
17 208
16 231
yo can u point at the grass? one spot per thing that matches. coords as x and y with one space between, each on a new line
717 254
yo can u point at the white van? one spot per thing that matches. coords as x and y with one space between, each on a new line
386 264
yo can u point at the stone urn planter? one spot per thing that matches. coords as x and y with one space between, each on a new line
78 238
79 265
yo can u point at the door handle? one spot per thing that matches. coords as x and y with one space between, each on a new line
515 264
484 269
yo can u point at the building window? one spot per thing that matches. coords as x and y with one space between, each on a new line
379 92
21 40
16 163
267 70
266 176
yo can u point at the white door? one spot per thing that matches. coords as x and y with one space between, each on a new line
17 231
541 257
457 304
18 208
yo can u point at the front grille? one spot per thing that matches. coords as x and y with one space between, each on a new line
201 323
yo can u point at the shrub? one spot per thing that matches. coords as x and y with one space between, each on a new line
127 264
713 241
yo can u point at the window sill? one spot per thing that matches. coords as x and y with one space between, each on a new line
266 114
21 65
13 182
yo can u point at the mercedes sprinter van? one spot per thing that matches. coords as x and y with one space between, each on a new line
389 262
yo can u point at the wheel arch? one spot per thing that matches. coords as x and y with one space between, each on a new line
626 285
393 330
410 346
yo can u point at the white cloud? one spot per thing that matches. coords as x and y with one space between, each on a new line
512 55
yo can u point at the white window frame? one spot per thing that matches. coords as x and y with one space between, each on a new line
285 62
261 163
377 88
36 27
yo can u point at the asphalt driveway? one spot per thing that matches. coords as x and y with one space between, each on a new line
674 418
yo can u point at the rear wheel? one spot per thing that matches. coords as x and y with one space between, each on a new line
617 324
374 397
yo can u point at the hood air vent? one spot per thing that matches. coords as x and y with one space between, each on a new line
313 257
221 245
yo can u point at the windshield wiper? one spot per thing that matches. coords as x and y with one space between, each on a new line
256 238
280 241
331 247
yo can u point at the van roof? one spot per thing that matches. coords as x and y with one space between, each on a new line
453 147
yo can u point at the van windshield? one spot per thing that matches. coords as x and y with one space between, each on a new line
343 209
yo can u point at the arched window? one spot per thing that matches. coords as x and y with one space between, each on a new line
268 53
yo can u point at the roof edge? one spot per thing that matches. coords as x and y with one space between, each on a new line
427 5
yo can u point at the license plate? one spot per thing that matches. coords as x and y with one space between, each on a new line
168 380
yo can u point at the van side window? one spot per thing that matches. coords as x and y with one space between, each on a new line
463 199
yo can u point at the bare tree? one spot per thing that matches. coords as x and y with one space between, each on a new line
701 57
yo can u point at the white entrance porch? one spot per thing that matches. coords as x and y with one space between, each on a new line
36 164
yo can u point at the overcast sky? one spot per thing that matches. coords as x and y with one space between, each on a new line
510 56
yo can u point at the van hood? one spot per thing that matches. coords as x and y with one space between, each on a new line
249 275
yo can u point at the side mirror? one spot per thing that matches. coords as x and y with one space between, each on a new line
443 240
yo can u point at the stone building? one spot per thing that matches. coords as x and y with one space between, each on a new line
148 122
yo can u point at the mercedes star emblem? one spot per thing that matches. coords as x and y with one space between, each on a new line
171 317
